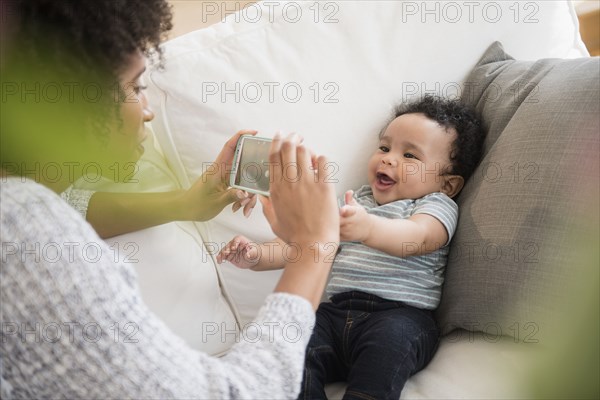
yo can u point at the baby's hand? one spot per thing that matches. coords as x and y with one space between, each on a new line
241 252
354 220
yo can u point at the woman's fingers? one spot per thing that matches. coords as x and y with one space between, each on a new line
290 167
303 159
249 204
295 189
225 157
275 159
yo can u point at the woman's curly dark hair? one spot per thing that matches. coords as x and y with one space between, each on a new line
81 44
99 33
467 148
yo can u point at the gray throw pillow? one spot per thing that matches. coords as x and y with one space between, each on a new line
511 251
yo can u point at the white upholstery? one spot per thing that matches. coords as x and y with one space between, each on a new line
351 70
469 366
218 80
177 276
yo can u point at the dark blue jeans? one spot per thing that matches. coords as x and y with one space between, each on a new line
373 344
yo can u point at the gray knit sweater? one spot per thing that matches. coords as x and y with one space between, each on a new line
74 324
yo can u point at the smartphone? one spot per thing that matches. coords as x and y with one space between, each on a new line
250 169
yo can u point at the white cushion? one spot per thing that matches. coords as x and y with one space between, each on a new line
331 71
470 365
177 276
179 283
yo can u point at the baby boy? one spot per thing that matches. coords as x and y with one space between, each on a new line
378 329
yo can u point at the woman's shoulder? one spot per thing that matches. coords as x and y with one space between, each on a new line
30 211
22 195
20 190
42 237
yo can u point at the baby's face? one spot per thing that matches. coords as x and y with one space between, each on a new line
413 155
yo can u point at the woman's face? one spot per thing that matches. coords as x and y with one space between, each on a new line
127 131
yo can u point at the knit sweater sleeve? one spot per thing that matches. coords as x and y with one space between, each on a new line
74 324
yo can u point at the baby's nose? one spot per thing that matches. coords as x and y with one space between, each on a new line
388 161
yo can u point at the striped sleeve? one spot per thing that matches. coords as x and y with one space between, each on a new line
441 207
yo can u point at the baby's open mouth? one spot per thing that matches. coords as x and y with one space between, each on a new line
384 180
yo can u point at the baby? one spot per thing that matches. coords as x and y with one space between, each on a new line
387 277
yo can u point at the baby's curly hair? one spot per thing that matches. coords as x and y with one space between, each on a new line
467 148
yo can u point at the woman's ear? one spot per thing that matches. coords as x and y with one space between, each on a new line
452 185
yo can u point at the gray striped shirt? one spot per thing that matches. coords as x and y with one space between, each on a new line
416 280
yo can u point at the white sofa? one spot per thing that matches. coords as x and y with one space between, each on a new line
332 71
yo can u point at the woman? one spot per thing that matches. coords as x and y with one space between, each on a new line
73 323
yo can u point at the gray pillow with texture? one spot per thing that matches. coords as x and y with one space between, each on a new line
511 249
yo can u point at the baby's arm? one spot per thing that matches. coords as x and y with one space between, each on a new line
243 253
419 234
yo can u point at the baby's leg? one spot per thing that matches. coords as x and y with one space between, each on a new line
389 346
323 364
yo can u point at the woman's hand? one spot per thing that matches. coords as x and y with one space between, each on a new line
211 192
303 212
118 213
241 252
302 207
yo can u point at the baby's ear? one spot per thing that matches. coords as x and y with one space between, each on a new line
452 185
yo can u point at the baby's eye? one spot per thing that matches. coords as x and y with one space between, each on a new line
385 149
410 155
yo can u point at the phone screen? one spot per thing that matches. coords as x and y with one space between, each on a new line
252 168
